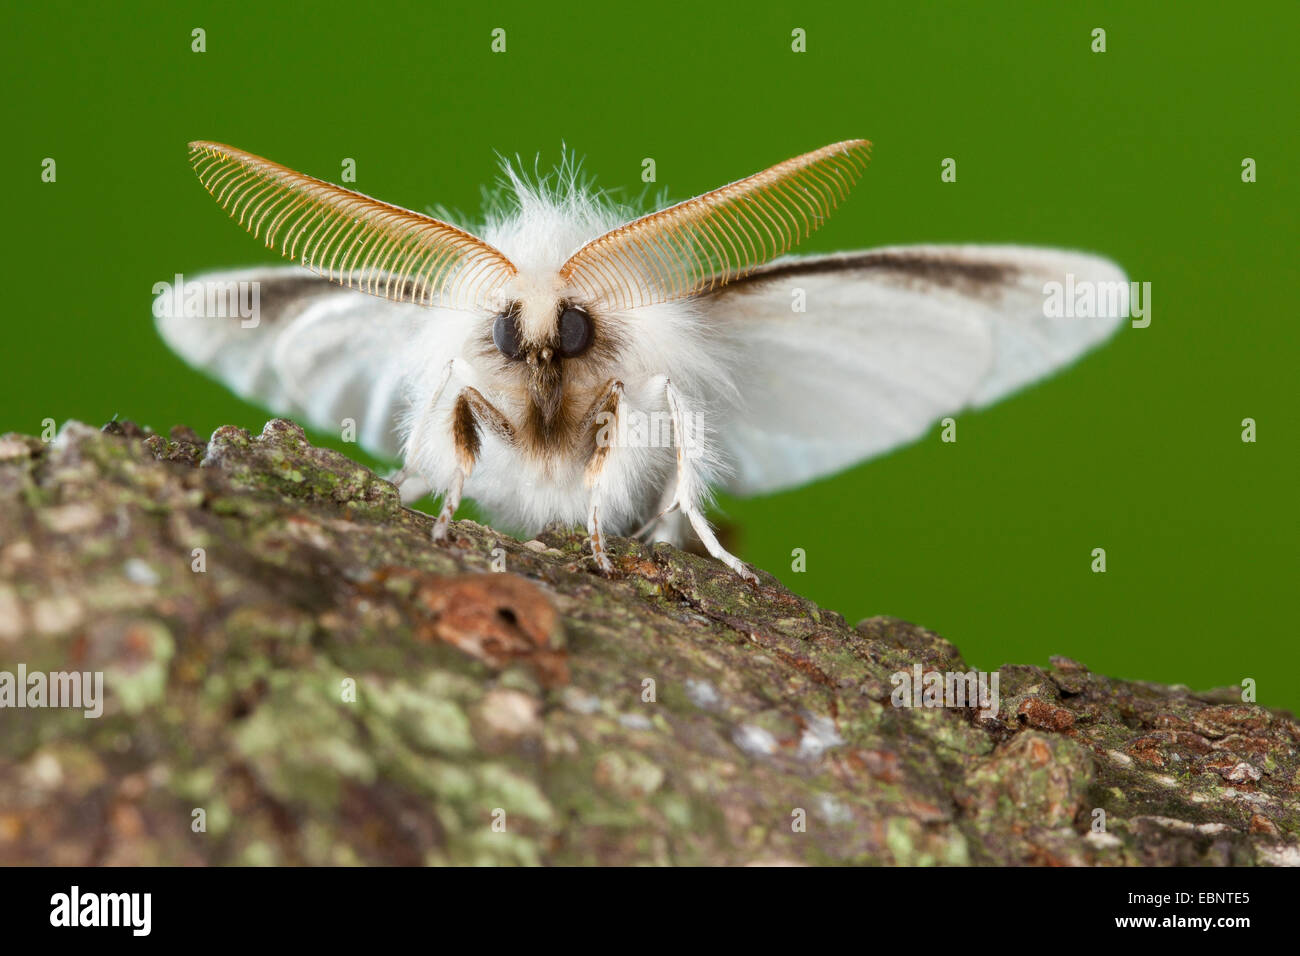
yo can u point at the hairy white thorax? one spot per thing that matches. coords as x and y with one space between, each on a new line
539 225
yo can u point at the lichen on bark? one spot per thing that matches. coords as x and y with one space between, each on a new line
285 650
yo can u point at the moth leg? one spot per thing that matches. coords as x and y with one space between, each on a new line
672 528
668 524
471 413
691 491
601 418
410 487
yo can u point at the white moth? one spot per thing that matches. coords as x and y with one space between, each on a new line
568 365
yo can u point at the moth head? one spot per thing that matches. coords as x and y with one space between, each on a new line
567 331
540 338
540 334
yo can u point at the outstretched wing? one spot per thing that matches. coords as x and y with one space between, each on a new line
316 351
890 341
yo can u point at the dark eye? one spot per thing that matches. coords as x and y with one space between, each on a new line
575 332
505 335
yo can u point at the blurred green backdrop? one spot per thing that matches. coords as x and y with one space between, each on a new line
1135 153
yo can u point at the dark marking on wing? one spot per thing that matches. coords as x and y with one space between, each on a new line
280 298
288 296
909 267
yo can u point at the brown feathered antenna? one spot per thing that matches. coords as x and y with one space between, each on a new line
707 241
349 238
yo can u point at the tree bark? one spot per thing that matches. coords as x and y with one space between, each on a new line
294 673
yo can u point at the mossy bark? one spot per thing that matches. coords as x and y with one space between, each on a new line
233 591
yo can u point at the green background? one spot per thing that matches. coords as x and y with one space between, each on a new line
1135 153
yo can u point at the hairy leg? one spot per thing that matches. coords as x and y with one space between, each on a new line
668 523
471 413
410 487
601 425
691 491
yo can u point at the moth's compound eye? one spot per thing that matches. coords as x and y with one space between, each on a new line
575 332
505 336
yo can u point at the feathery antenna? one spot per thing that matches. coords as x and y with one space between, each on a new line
707 241
349 238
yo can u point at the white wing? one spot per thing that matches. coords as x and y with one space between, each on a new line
317 351
891 341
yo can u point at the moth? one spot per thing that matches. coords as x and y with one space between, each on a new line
569 361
